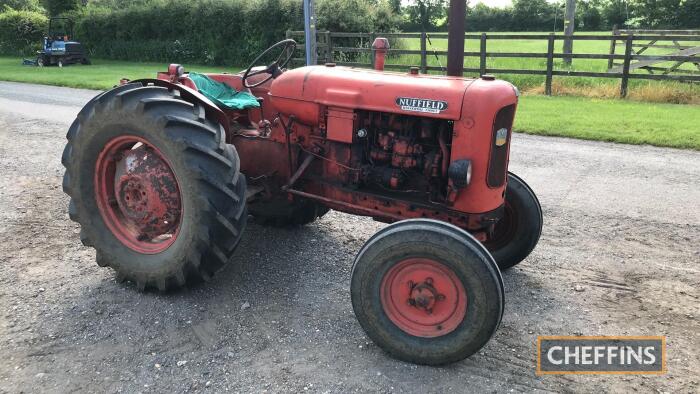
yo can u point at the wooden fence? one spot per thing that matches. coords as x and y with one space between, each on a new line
327 54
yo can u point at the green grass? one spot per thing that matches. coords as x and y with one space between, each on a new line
630 122
624 121
102 74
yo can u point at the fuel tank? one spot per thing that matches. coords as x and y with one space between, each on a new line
303 90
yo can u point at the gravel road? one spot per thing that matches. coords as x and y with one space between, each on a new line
618 256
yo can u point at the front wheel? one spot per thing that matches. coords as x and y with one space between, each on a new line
155 188
518 232
427 292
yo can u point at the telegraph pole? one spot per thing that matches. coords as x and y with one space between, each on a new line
569 29
310 32
455 42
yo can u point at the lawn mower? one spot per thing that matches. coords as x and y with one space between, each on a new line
58 49
163 173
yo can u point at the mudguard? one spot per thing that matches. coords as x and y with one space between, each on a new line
192 96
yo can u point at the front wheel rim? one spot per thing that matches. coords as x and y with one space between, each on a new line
423 297
138 195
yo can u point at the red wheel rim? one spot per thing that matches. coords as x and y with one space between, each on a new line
423 297
138 195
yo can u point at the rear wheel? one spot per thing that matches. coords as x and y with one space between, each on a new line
427 292
518 232
154 186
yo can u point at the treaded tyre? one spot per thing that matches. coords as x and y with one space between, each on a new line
286 214
157 191
427 292
518 232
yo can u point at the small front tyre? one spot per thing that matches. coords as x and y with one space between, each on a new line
427 292
518 232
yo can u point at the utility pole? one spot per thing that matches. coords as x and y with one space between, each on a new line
455 42
310 32
569 29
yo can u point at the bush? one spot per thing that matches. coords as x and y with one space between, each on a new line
21 32
222 32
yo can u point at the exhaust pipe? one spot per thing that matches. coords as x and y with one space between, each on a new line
380 46
455 38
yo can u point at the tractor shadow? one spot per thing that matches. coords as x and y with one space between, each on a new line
283 300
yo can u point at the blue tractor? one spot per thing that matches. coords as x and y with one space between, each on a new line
58 48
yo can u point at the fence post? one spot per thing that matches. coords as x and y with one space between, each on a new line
626 66
423 52
613 44
370 41
550 64
329 47
482 55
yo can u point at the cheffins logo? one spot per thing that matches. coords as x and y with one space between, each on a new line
421 105
601 355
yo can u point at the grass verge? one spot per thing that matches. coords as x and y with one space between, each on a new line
624 121
102 74
629 122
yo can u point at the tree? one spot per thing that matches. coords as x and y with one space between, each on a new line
395 6
659 13
426 13
689 14
57 7
20 5
615 12
588 16
533 14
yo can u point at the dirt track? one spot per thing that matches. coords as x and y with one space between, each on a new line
619 255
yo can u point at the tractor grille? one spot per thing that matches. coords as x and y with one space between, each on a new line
498 162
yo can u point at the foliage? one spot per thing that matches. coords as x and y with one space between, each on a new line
425 14
213 31
21 5
21 32
58 7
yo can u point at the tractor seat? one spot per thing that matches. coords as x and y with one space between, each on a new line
223 95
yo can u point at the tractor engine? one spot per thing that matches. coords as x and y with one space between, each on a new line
392 145
403 153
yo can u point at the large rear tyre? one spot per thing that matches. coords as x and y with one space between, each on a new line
154 186
427 292
287 214
518 232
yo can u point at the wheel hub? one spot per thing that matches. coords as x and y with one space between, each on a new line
423 297
138 194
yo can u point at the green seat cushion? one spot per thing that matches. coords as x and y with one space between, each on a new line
222 94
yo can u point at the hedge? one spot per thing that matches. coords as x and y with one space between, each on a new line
222 32
21 32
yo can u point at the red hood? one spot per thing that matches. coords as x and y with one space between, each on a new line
427 95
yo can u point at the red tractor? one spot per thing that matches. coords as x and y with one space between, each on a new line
162 181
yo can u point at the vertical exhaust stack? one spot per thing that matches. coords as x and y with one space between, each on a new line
455 43
380 48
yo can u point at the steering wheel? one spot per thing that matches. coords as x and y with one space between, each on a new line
275 68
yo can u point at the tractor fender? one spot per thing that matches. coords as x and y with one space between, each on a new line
193 97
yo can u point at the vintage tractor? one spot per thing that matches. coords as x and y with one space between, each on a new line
162 180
